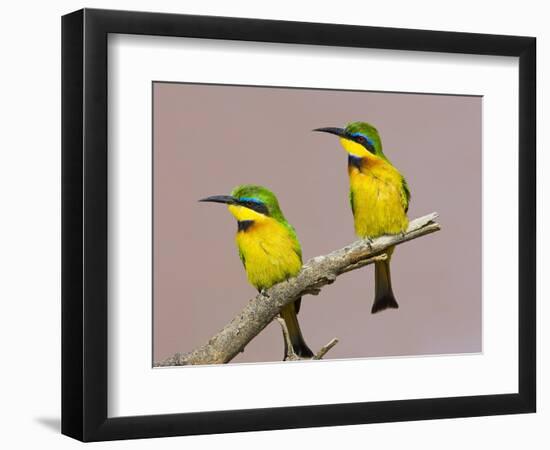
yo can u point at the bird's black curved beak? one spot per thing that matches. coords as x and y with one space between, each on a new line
332 130
227 199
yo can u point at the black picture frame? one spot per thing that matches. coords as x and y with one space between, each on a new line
84 224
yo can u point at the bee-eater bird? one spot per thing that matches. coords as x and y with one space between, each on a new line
379 198
268 248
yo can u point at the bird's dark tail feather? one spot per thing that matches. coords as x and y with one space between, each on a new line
383 296
288 313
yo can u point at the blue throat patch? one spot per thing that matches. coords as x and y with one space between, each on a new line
243 225
355 161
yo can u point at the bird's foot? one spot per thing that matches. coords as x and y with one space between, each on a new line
369 242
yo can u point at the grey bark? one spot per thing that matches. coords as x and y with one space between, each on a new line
315 274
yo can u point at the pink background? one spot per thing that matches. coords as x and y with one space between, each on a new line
208 139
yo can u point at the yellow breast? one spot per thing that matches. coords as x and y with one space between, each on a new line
269 253
377 200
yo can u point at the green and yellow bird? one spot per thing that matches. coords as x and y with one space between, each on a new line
268 248
379 198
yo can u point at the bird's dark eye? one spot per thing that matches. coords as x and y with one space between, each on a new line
361 140
255 205
365 142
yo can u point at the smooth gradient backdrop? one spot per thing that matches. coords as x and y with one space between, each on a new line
210 138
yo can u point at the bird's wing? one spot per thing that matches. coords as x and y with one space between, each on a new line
295 242
298 249
351 201
405 194
241 255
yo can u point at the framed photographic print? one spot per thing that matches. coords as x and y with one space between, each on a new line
273 224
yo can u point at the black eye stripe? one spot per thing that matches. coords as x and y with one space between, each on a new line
256 206
365 143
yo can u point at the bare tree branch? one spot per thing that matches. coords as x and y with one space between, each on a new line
315 274
324 350
290 353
